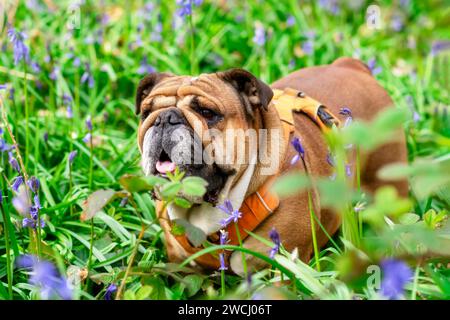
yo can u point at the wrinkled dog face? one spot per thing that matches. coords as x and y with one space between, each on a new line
183 118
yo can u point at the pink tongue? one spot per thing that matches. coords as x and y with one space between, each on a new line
165 166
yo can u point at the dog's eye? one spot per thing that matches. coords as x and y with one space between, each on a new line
210 116
145 114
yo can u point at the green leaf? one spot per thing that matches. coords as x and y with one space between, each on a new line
170 190
194 186
183 203
95 202
409 218
193 283
133 183
144 292
195 235
291 184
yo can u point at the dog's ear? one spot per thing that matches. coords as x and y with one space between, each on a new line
253 92
146 85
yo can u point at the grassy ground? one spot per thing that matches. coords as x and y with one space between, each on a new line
92 70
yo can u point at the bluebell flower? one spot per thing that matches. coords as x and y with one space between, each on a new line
223 237
348 170
145 67
89 123
331 6
372 65
123 202
439 46
21 202
290 21
34 184
260 35
13 162
410 103
234 215
223 266
185 6
87 76
21 51
87 138
330 159
3 86
54 73
72 156
35 67
76 62
156 32
296 143
112 288
396 274
275 237
308 44
345 111
397 23
1 197
67 101
45 276
45 137
4 146
17 183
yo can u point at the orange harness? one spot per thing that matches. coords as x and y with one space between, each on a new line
259 205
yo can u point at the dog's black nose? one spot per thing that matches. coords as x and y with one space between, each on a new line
172 117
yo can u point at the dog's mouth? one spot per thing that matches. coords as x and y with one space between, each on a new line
165 164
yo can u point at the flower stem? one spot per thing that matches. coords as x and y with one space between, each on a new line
313 231
27 124
222 282
8 252
192 53
244 263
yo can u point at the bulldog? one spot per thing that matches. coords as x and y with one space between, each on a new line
225 128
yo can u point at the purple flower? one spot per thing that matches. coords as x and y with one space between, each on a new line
331 6
3 86
72 156
290 21
35 67
67 101
21 202
4 146
348 114
396 274
234 215
89 123
275 237
372 65
45 137
156 32
348 170
17 183
45 276
397 23
76 62
87 138
296 143
144 67
13 162
34 184
223 237
112 288
21 51
439 46
330 159
223 266
1 197
185 6
54 73
123 202
260 35
87 76
416 115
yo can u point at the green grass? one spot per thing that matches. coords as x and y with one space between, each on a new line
222 38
